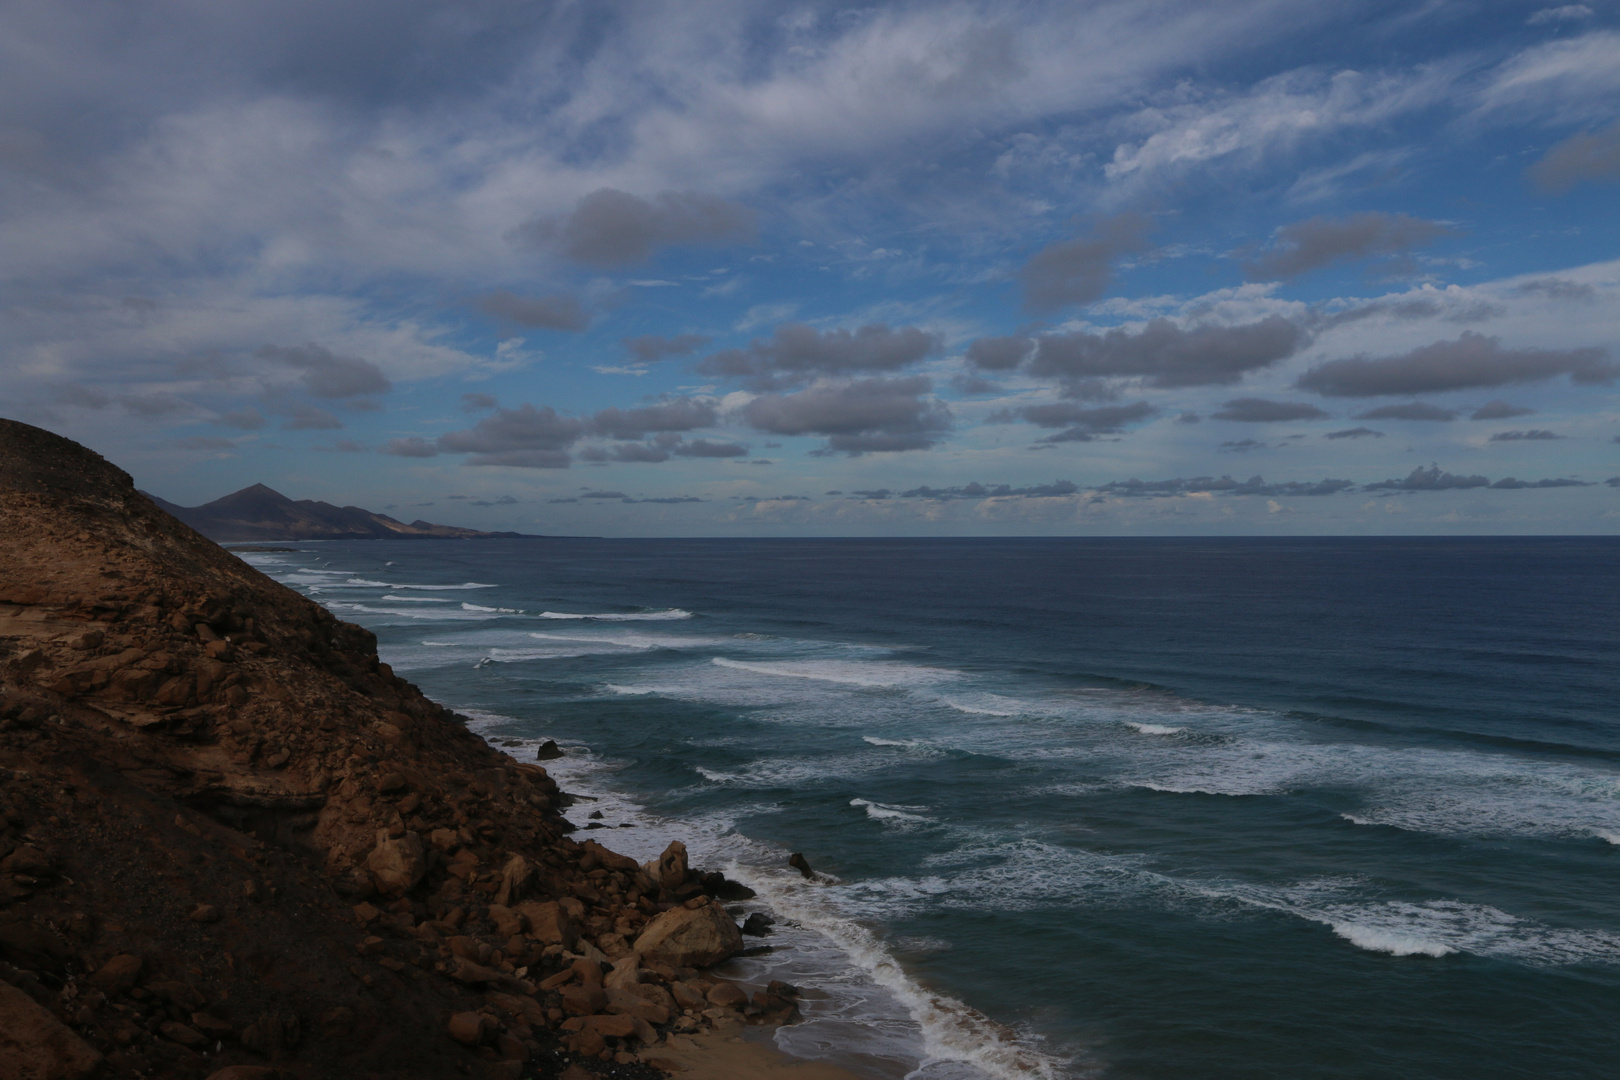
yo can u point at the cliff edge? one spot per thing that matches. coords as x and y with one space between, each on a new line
235 844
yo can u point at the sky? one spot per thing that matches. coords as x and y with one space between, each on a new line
736 268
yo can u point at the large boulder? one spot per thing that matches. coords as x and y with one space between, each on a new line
548 923
697 935
671 869
34 1045
396 865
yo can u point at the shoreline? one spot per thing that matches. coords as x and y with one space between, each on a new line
741 1054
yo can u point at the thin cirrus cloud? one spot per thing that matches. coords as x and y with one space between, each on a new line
609 228
1471 362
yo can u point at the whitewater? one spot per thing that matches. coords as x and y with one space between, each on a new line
1146 808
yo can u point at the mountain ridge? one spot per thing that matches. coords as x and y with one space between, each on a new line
259 512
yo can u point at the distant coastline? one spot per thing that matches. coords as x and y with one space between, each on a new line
260 513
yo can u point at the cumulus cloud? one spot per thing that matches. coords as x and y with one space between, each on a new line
1080 425
524 437
797 353
1262 411
1499 410
326 374
412 446
611 228
248 419
546 312
1593 157
869 415
703 448
1320 241
1411 410
309 418
999 353
1430 479
1473 361
650 347
1165 355
1057 489
1355 433
1510 483
681 414
1078 271
1222 485
1533 435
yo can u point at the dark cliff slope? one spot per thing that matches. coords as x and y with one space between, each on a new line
230 836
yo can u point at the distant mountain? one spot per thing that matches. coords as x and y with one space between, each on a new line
261 513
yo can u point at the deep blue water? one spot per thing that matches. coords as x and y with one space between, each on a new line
1144 808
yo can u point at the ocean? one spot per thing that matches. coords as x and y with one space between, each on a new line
1138 809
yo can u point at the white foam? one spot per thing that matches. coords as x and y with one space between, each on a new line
364 584
417 599
1377 939
975 710
1154 729
952 1031
666 615
1611 835
892 814
498 610
875 741
869 673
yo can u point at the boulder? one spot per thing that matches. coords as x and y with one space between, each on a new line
625 974
468 1028
118 974
548 751
549 923
517 876
696 936
397 865
727 995
801 864
671 869
34 1045
508 923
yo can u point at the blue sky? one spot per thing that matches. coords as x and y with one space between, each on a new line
1254 266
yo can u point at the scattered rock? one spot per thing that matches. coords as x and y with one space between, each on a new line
758 924
548 751
118 974
671 870
204 913
34 1045
397 864
469 1028
727 995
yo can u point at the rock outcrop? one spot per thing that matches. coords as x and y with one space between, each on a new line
234 843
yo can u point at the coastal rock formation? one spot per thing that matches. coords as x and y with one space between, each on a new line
235 844
262 513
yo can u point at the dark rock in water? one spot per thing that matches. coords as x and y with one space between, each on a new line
758 950
758 924
801 864
595 824
548 750
596 815
721 887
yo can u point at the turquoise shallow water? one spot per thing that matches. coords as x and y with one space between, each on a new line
1119 808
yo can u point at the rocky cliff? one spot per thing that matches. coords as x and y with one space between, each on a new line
262 513
234 844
